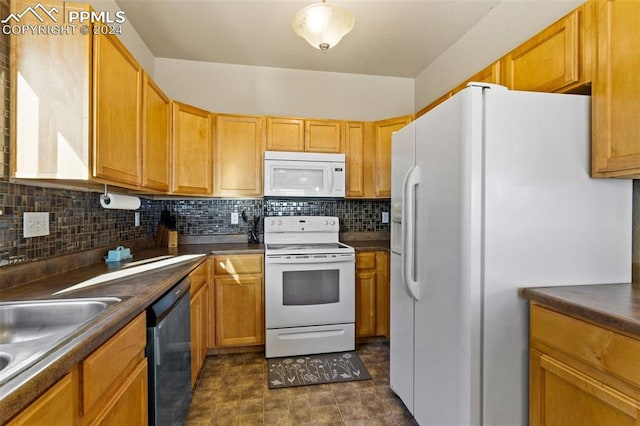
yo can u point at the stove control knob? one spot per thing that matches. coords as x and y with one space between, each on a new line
326 222
279 223
272 222
333 222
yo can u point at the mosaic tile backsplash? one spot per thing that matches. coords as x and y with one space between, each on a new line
77 222
213 217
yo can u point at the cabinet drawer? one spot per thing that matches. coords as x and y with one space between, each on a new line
198 278
366 260
56 405
606 350
240 264
110 362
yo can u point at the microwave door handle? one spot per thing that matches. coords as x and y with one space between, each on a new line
332 181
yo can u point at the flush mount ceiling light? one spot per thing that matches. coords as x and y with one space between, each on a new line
323 25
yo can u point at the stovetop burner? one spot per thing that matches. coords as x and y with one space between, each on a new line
303 235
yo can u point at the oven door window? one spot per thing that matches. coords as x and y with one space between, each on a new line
310 287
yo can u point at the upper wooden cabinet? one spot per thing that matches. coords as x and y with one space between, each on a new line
490 74
156 137
616 90
381 171
297 134
50 100
557 59
285 134
323 136
239 146
117 112
192 150
355 149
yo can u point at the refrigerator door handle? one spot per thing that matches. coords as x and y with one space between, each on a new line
411 180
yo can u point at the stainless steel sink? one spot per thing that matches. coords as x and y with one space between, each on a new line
30 330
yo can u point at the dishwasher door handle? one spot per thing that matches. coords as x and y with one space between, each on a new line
156 346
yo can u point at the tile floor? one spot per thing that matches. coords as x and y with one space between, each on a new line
232 390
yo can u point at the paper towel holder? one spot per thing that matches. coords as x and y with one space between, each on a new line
115 201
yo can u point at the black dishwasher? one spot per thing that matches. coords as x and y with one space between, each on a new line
169 356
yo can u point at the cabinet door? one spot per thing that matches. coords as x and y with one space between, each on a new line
354 136
156 137
616 90
382 154
129 404
238 156
490 74
285 134
57 405
323 136
561 395
117 112
366 303
198 337
383 295
192 150
239 310
548 62
52 140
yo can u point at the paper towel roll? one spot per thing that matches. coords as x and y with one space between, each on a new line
118 201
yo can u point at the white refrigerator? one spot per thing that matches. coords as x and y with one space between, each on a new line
491 192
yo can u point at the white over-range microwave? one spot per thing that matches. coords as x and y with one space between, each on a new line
303 174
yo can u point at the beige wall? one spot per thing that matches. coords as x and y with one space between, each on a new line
507 25
244 89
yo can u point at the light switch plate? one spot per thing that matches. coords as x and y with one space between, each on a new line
385 217
36 224
136 219
234 218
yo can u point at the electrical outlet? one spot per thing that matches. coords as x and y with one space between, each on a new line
35 224
136 218
385 217
234 218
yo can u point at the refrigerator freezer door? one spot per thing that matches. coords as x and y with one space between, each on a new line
402 305
447 329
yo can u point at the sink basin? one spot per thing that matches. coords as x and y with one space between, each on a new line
23 321
30 330
4 361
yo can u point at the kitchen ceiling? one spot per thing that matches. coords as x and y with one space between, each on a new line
390 37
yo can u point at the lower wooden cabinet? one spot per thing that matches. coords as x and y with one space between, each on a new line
581 373
109 387
239 300
372 294
58 405
128 406
199 305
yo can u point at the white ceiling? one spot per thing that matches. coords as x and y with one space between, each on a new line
390 37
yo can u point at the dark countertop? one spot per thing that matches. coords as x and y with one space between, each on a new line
369 245
616 306
137 291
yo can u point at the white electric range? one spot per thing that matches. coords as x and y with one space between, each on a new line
309 287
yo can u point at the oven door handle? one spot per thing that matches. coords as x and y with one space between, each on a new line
308 260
